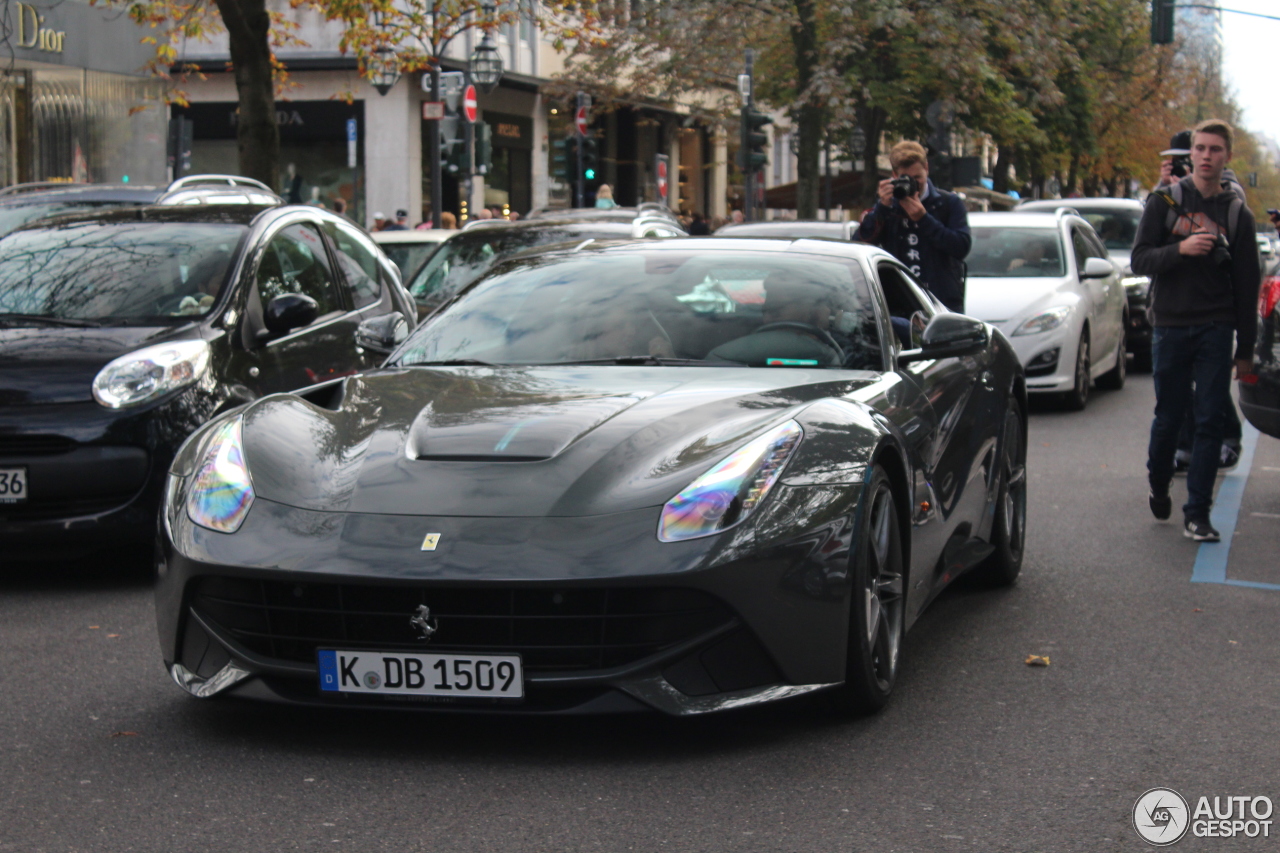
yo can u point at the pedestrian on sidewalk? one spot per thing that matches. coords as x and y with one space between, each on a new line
1196 243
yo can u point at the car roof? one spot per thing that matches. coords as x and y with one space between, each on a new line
784 228
486 226
1099 203
1014 219
772 245
608 214
425 235
237 214
87 193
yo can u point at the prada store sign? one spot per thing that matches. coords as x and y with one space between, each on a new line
71 32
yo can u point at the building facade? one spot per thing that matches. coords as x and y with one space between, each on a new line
75 101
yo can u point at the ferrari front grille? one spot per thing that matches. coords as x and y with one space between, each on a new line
553 629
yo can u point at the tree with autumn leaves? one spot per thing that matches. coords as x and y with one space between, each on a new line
412 34
1067 89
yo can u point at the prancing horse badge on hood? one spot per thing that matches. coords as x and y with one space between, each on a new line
429 543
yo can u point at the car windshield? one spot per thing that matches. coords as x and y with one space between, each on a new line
1003 252
615 306
408 256
465 257
125 271
1117 228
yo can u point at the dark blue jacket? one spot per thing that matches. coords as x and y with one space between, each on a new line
933 248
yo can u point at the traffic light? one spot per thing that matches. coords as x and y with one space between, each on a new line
484 149
454 160
566 159
1162 21
588 156
753 154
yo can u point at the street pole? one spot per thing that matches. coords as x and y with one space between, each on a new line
469 139
433 143
749 177
580 185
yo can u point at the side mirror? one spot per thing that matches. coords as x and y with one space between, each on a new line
948 336
1097 268
289 311
382 334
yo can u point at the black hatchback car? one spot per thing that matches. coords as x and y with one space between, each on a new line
122 332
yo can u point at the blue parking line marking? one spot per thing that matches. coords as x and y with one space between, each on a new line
1211 560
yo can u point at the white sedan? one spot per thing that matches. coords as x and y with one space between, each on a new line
1047 283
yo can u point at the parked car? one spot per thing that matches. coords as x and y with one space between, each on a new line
600 214
468 253
123 331
601 481
1260 392
791 228
1047 282
409 249
1116 221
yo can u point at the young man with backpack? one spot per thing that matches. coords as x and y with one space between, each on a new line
1196 243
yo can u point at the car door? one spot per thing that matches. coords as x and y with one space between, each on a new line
966 410
1101 334
360 278
1113 314
296 260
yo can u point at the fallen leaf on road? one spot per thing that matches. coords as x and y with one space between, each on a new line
93 627
1044 444
112 636
1196 610
124 734
1037 660
1233 642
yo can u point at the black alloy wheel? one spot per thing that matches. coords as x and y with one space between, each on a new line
878 607
1009 529
1113 379
1078 397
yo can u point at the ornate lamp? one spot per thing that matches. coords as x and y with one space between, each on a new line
486 65
384 70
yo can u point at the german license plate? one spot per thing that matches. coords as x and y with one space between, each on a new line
13 485
408 674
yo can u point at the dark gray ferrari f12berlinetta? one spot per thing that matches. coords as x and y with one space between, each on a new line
676 475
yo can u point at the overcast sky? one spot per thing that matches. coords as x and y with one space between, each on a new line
1252 59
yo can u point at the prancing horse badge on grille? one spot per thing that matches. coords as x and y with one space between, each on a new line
422 622
430 542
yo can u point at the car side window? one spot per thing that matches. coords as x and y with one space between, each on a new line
909 310
294 261
358 263
1080 245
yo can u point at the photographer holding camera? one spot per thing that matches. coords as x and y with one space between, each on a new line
924 227
1196 242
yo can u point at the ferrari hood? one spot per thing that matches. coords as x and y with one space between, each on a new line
997 300
530 442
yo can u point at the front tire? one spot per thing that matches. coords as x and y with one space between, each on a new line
1078 397
1009 529
877 611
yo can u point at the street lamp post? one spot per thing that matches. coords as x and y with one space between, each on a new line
484 69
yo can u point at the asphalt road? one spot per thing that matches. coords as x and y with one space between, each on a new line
1153 681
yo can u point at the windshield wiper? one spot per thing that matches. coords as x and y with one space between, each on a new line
450 362
642 359
9 317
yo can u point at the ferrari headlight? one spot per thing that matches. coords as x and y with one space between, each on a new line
221 492
150 372
1044 321
730 491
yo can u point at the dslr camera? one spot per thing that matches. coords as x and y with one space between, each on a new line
1181 166
1220 254
904 186
1179 151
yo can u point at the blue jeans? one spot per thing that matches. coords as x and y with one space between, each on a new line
1181 356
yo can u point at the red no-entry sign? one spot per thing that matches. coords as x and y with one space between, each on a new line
469 103
580 121
662 178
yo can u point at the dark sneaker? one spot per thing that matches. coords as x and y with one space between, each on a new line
1161 504
1227 457
1200 530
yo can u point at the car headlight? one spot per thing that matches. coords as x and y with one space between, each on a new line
1044 321
731 491
150 372
221 492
